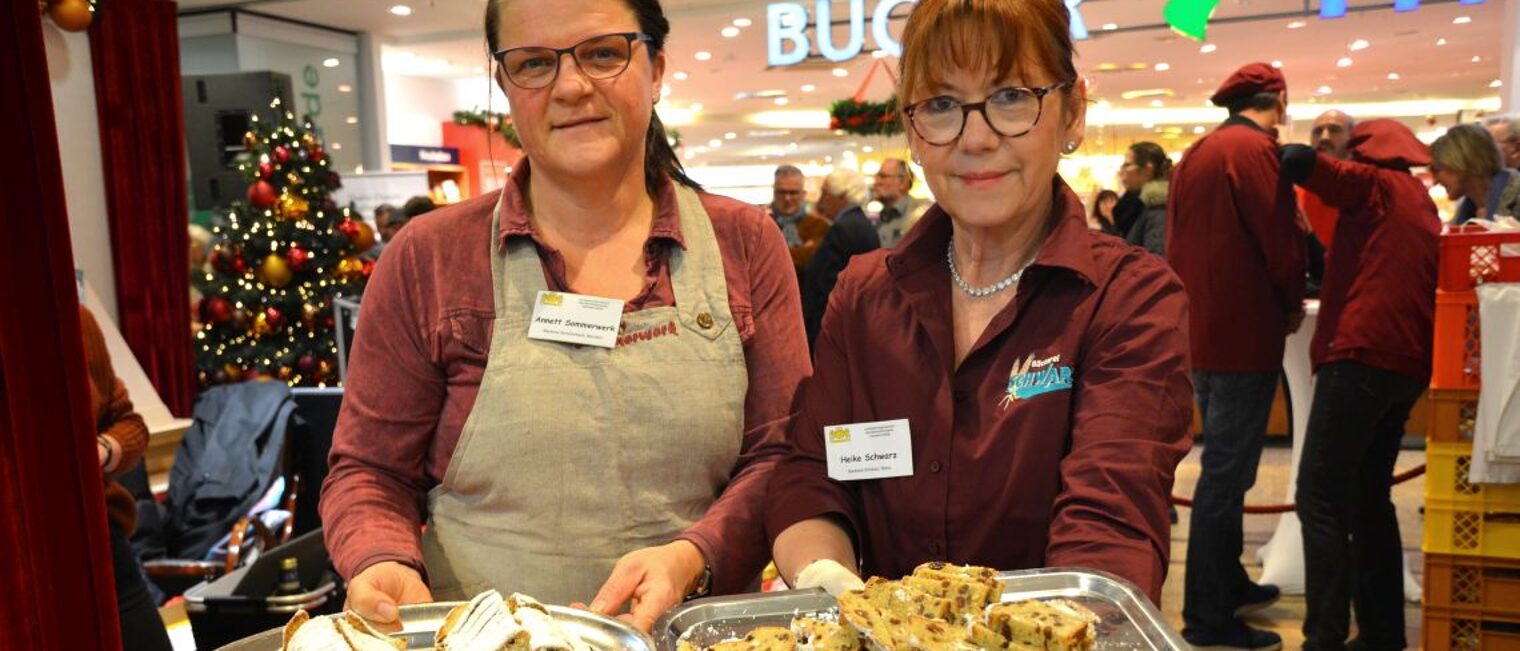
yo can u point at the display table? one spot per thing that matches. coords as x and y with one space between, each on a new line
1282 557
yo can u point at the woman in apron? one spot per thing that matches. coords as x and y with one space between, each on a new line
578 383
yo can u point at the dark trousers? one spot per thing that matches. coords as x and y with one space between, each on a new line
1234 407
141 627
1352 551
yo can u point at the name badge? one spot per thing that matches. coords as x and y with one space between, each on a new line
576 319
869 450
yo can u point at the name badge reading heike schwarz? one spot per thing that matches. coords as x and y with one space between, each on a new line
862 451
576 319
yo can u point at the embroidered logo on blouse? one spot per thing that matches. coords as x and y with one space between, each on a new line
551 298
1034 377
839 435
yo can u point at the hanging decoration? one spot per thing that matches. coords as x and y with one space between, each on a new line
72 15
863 118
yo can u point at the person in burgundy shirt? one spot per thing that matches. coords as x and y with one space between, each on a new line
1371 354
1233 237
1042 369
634 472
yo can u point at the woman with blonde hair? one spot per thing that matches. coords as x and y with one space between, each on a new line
1468 164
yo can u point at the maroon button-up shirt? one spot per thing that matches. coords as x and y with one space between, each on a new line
422 346
1232 234
1053 444
1378 302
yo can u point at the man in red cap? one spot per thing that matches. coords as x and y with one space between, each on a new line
1233 238
1371 356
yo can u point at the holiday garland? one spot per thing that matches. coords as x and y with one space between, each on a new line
863 118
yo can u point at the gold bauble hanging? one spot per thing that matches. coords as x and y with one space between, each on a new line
274 272
293 206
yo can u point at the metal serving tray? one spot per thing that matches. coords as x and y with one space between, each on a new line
1127 619
421 622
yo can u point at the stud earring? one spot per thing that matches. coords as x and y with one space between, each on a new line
1071 146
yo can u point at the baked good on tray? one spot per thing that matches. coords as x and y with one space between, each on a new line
940 607
486 623
342 632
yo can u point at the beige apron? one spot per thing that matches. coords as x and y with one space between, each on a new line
576 455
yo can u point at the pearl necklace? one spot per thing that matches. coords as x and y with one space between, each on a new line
978 292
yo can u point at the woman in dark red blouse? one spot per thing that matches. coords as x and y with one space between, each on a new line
1042 369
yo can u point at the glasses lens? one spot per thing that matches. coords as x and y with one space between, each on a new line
603 56
530 67
938 120
1013 111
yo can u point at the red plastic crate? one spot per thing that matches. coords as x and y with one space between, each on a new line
1456 362
1475 586
1470 256
1448 630
1453 414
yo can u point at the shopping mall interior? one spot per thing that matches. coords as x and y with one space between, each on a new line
382 103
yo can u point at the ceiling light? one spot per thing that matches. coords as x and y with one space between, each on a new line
715 143
401 10
729 32
1208 47
351 120
1440 42
1495 84
1109 27
1198 130
330 62
867 149
1163 67
1297 24
1477 59
680 75
1360 44
730 135
1461 20
336 146
704 55
841 72
808 88
345 88
1393 76
782 101
689 154
742 22
1138 66
1156 103
879 54
1148 125
1323 90
1343 62
696 107
1276 64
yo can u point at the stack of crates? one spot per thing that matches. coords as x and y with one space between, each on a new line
1472 532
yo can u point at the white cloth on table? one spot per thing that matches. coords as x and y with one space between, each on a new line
1496 435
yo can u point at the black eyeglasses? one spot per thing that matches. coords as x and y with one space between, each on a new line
1010 112
598 57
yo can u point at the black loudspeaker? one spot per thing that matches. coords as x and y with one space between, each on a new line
218 110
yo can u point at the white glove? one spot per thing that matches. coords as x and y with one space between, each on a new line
828 574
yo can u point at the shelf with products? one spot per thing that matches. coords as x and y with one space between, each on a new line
448 180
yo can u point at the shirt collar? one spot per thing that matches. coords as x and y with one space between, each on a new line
516 223
1242 121
1496 192
1068 246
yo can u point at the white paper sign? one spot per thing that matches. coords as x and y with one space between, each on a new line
576 319
869 450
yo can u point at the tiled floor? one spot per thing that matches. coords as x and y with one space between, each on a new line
1286 617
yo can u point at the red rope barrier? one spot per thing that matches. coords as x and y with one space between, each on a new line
1258 509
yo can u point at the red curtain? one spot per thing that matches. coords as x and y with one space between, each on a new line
135 49
55 560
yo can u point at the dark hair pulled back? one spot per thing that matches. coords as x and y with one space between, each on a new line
1150 153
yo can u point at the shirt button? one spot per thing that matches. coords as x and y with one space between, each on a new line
960 396
934 466
705 321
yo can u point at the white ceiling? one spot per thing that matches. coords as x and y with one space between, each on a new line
1402 43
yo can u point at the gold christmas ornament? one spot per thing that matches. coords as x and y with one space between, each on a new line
350 268
261 327
293 207
71 15
274 271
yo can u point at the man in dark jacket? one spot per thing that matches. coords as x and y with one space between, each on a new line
1234 239
850 235
1371 353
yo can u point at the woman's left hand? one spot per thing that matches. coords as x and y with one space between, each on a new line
650 581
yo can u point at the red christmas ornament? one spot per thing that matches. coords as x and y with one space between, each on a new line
274 317
266 171
369 268
349 228
216 310
281 155
307 364
328 322
333 180
317 155
223 260
239 266
298 258
262 194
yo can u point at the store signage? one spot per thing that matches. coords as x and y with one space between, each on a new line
1337 8
787 27
424 155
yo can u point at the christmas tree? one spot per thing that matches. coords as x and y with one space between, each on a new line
278 262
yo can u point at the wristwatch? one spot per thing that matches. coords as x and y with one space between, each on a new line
704 585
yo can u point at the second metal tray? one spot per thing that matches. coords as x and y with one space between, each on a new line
1127 619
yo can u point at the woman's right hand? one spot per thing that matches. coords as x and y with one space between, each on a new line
378 592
